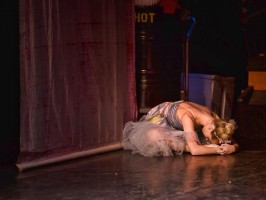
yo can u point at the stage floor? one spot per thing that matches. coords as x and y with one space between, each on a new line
121 175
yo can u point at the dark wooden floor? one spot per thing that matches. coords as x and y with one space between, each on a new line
121 175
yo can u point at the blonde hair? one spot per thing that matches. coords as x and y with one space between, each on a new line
224 130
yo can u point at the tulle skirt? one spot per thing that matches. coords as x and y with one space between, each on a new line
151 139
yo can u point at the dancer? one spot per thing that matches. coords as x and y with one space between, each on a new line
171 128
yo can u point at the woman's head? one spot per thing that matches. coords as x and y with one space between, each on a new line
220 131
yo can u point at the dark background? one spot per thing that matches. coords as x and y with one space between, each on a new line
9 34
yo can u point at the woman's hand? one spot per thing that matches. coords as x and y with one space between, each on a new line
226 149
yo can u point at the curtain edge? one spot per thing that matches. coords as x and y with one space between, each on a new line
71 156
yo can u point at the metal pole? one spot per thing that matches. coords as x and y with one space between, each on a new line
187 58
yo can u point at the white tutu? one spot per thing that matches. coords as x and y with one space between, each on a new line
150 139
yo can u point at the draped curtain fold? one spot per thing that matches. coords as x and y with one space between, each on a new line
77 65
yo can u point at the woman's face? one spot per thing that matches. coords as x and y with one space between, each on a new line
207 130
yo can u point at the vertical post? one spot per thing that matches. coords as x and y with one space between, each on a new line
187 58
187 71
224 94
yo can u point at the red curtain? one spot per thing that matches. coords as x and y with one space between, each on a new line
77 76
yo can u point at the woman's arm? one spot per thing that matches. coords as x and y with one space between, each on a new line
192 139
197 149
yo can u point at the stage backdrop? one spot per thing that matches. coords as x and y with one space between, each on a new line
77 65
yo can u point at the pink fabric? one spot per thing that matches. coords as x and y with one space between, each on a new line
77 74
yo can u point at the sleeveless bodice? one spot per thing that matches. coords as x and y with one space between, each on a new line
167 110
